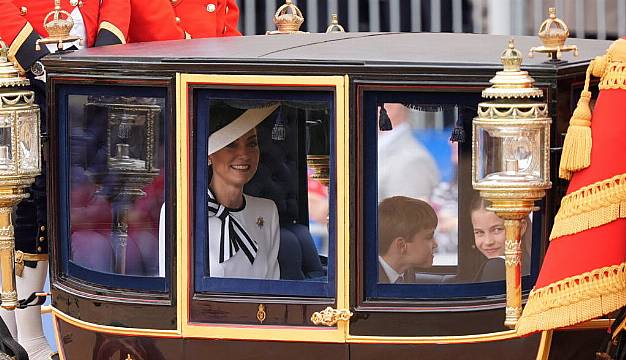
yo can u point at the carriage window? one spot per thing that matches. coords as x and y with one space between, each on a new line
431 227
116 185
417 190
418 196
265 170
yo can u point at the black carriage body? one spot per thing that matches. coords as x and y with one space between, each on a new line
109 317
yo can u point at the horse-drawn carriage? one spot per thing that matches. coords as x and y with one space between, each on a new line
131 265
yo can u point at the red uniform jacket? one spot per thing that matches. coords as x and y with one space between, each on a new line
156 20
21 24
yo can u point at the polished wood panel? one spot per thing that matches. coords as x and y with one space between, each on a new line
293 312
272 350
80 343
396 323
515 349
120 313
85 344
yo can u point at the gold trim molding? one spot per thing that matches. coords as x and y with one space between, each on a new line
591 206
575 299
56 313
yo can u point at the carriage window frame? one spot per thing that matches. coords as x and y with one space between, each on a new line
203 284
69 269
374 292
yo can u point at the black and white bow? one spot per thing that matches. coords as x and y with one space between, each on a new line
233 236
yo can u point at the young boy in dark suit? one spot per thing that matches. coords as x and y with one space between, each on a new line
406 228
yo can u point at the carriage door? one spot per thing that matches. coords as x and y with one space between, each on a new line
268 267
427 252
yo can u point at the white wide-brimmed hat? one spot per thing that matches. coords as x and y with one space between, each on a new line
226 133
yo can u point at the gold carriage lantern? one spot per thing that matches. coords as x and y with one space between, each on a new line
510 160
20 162
132 161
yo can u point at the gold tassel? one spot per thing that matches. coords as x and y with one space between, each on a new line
577 145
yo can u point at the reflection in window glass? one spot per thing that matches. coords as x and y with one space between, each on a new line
116 184
318 212
261 188
318 149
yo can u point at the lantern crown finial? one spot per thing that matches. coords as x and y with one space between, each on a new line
511 58
288 18
512 82
9 73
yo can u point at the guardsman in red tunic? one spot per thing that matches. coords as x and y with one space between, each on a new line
156 20
21 25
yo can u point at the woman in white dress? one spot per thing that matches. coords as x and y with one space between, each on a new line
243 230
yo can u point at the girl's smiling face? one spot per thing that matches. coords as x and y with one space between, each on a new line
489 234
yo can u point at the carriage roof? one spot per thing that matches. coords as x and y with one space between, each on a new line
351 49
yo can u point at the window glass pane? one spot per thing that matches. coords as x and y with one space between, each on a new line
417 193
245 232
422 208
116 189
268 189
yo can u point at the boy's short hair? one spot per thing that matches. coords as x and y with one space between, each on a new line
401 216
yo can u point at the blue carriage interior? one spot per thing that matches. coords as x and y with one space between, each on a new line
281 162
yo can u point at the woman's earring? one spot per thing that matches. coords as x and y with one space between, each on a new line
209 162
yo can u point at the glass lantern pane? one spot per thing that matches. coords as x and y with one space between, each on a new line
511 156
6 146
27 141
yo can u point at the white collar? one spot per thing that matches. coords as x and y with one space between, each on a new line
392 275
